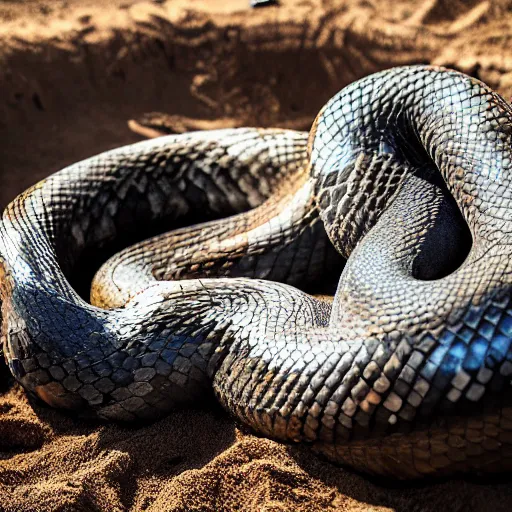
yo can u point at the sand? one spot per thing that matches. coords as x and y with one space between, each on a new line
72 73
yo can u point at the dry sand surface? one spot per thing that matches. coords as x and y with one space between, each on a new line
71 74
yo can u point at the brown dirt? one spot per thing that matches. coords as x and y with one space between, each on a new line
72 73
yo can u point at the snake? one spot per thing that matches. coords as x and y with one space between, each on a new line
216 245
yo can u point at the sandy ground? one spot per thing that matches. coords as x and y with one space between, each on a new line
72 73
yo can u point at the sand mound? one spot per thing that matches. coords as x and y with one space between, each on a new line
192 460
72 73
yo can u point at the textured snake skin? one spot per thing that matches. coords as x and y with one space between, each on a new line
406 373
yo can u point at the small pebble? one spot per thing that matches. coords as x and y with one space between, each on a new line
263 3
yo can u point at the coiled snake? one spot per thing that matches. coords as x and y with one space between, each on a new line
407 372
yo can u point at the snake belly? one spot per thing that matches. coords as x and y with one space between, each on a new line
405 374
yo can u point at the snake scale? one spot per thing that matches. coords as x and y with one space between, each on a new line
406 373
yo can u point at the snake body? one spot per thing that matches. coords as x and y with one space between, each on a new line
407 373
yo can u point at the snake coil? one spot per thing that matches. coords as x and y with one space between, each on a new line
407 373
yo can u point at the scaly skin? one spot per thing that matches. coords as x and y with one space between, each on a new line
406 374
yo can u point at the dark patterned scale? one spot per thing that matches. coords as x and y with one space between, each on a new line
407 373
